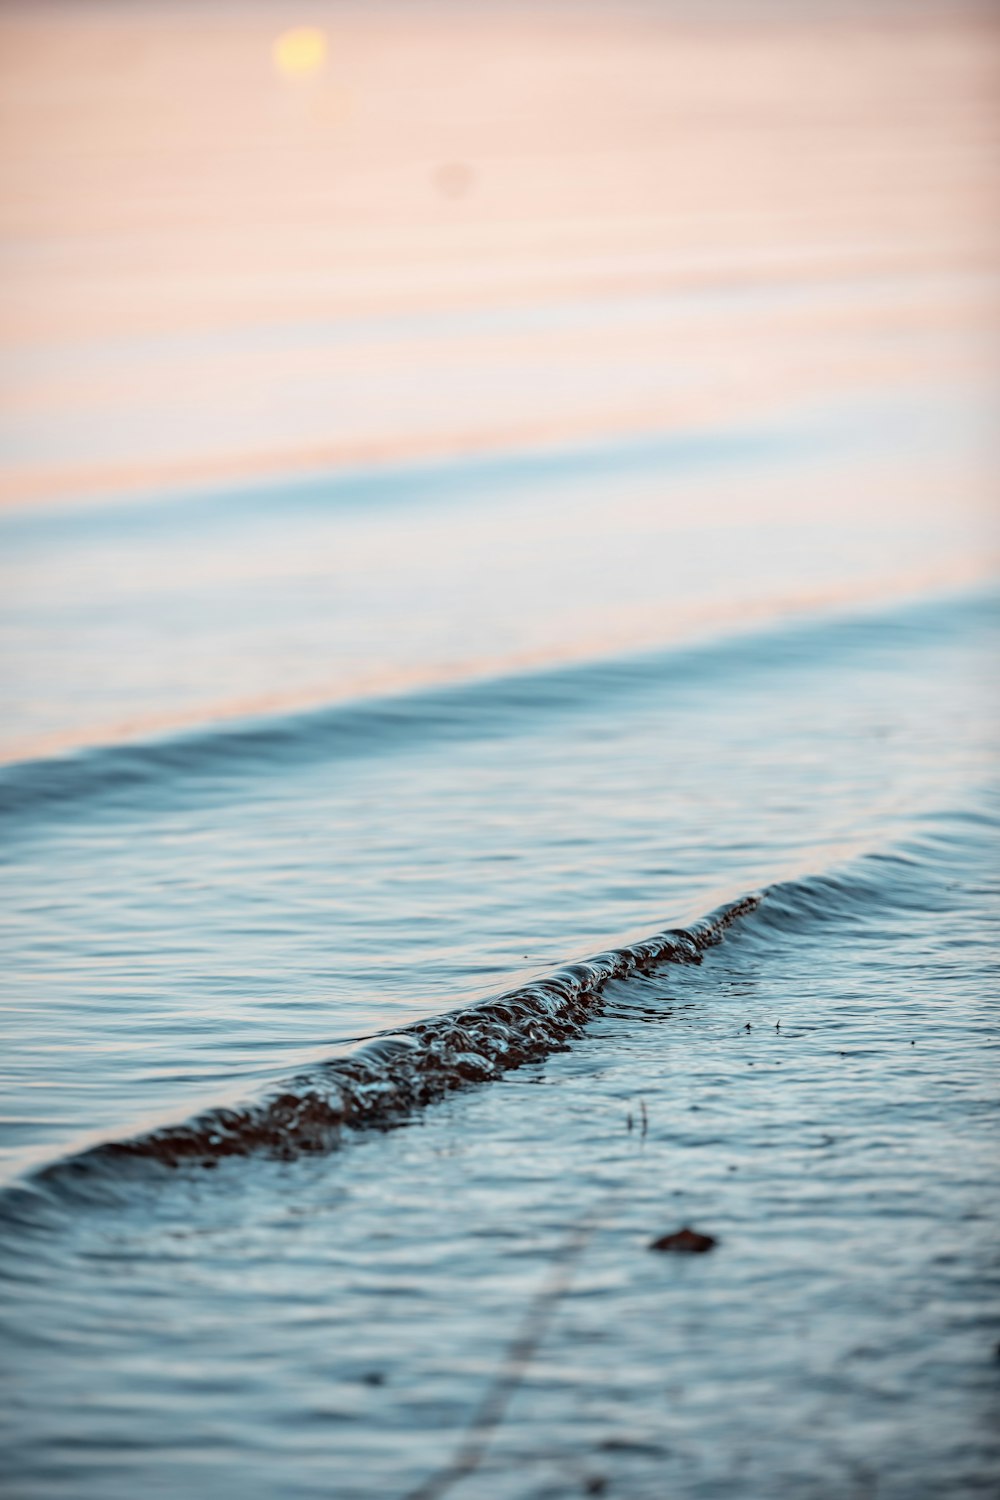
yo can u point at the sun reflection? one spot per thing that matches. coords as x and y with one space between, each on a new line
299 52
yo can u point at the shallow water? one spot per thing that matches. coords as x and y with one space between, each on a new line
498 748
817 1093
208 927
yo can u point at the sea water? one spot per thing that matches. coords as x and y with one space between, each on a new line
424 888
498 615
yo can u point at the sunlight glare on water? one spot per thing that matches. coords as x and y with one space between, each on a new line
299 51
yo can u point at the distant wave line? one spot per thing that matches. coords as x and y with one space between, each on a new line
218 753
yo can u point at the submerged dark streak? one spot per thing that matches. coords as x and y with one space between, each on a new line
386 1079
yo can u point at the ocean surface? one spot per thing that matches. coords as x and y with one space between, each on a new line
499 619
369 1007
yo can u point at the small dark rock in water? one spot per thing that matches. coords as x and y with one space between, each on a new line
687 1241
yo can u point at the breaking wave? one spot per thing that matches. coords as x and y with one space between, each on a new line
382 1080
385 1078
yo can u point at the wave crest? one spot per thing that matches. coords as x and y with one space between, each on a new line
387 1078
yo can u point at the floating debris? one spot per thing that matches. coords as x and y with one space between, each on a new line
685 1241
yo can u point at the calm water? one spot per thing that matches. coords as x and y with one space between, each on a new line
291 768
498 751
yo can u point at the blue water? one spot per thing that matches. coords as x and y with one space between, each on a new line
346 1079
